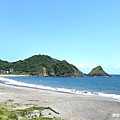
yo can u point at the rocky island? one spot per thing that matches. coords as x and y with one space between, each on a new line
98 71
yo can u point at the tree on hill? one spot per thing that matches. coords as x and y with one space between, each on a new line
42 65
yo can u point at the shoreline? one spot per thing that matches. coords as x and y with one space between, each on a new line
70 106
13 82
59 92
11 75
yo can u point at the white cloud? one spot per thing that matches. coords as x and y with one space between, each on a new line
85 65
81 65
117 66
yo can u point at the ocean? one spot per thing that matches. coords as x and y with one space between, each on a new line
108 87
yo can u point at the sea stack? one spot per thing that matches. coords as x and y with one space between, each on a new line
98 71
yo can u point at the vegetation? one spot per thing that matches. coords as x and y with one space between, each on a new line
8 113
41 65
98 71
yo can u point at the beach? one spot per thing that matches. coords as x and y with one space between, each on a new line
70 106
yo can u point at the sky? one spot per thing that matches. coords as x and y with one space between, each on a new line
86 33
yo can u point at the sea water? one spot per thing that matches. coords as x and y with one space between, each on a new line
108 87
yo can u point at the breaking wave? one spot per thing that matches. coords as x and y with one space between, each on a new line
64 90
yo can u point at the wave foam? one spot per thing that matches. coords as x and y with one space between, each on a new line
65 90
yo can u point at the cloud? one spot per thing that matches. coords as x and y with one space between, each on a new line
85 66
117 66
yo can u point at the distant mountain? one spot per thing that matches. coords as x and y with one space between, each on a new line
40 65
98 71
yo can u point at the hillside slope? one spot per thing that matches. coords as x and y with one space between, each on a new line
41 65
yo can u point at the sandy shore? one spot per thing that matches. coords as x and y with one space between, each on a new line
70 106
12 75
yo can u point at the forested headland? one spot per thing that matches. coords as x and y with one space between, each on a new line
40 65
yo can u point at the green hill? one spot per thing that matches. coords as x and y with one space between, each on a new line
4 65
41 65
98 71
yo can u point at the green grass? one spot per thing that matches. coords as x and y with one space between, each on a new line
8 113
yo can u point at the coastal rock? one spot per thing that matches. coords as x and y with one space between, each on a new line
98 71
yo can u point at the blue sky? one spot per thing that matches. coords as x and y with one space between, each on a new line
86 33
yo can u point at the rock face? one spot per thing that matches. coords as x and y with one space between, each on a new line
98 71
